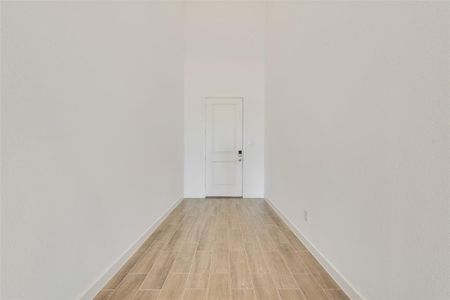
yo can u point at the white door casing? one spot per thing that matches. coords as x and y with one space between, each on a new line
224 157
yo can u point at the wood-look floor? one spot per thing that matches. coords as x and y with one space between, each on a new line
219 248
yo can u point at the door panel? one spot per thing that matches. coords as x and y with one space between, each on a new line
223 143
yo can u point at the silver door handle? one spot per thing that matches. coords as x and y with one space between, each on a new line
239 159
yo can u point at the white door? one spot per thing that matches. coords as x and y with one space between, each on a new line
224 147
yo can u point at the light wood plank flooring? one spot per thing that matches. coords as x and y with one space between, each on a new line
220 248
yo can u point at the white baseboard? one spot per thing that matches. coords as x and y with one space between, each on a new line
115 267
198 196
343 283
254 196
194 196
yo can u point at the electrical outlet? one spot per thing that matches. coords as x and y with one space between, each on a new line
306 216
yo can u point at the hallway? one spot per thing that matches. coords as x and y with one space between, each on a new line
224 150
222 248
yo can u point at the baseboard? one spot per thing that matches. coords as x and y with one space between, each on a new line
115 267
254 196
194 196
326 264
198 196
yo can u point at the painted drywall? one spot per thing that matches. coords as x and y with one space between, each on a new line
224 57
92 124
357 134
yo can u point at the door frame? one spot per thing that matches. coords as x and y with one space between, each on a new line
206 137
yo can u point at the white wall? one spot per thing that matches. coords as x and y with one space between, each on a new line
224 57
92 137
357 133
